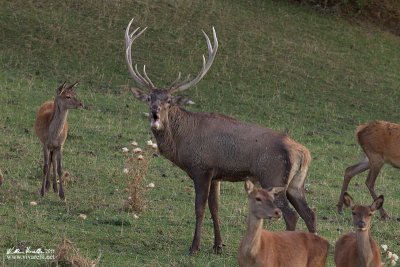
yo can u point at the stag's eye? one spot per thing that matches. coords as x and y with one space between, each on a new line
169 101
258 199
68 97
354 214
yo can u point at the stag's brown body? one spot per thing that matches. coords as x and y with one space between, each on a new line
358 248
380 141
211 147
51 127
261 248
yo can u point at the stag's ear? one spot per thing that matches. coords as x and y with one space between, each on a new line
377 204
181 101
139 94
276 190
348 200
248 186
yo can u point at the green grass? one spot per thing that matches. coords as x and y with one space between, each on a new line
280 65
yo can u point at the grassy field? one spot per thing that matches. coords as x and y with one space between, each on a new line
283 66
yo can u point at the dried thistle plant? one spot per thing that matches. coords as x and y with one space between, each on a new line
136 169
67 254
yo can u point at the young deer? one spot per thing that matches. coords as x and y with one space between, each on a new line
52 128
286 249
359 249
380 141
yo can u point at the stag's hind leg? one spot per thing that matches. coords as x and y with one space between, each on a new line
350 172
289 215
297 198
213 204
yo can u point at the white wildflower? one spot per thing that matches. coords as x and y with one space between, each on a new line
140 157
149 143
82 216
126 170
135 216
395 257
134 143
389 255
384 247
33 203
150 185
125 149
154 145
137 150
393 262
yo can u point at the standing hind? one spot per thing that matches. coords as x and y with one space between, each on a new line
52 129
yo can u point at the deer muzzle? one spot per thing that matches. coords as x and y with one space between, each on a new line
155 123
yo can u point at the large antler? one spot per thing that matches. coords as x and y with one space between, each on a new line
129 38
178 85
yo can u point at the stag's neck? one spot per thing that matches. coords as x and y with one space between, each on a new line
252 239
57 122
364 248
180 124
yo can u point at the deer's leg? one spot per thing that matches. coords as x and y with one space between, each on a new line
375 168
46 170
297 198
289 215
202 185
213 204
59 172
350 172
54 163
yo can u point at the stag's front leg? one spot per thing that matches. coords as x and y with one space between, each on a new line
202 190
46 170
213 204
59 173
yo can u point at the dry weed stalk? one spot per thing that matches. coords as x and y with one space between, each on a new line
67 254
137 166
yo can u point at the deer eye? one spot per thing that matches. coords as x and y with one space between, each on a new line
354 214
258 199
370 214
68 97
148 99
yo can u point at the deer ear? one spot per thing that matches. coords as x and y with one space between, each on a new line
276 190
61 88
348 200
248 186
73 85
181 101
139 94
377 204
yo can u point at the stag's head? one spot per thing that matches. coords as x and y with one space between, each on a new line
66 97
261 201
362 215
161 99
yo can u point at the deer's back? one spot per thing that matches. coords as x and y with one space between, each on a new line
44 117
380 138
291 249
346 253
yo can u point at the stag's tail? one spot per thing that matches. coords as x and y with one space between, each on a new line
300 160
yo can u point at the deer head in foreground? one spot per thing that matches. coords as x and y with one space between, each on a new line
359 248
380 143
260 247
211 147
51 127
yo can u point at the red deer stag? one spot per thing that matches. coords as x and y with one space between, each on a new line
359 248
282 249
51 127
211 148
380 141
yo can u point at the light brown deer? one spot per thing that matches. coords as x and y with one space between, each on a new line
211 148
1 177
380 141
260 247
359 248
51 127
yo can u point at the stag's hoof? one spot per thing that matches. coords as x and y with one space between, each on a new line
61 195
385 217
339 208
217 249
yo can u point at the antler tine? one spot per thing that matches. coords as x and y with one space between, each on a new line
129 38
147 77
212 50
